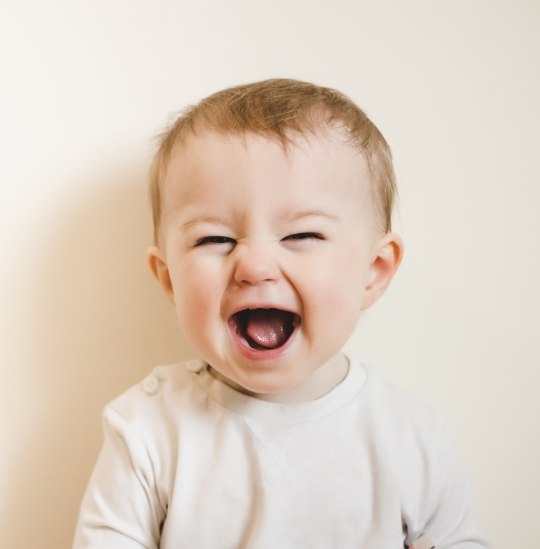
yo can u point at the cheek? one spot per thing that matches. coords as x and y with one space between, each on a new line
333 291
338 274
339 297
197 292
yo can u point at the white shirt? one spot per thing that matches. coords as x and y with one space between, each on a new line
190 462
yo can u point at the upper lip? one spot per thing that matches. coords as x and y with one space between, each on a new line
261 305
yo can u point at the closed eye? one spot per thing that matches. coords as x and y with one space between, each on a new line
305 236
208 240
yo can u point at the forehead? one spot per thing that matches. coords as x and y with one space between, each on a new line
209 165
328 149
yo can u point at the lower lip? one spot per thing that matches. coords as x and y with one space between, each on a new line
260 354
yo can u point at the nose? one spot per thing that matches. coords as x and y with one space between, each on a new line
255 264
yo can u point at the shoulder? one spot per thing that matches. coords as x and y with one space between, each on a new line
413 438
161 398
397 407
404 426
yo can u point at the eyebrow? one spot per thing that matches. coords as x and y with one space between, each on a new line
296 216
293 216
211 219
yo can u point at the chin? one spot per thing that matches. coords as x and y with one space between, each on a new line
272 387
267 384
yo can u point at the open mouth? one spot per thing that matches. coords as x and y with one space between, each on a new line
264 329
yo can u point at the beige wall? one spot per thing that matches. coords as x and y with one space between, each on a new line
86 85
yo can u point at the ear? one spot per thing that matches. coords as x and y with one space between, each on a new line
385 261
160 270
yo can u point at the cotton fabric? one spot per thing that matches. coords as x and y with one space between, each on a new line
190 462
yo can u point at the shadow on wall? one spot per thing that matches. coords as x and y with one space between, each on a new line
100 325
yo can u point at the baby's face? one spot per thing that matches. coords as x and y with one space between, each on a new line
269 256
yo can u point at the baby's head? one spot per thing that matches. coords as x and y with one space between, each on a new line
281 110
272 210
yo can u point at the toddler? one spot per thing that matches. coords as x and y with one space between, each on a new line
272 205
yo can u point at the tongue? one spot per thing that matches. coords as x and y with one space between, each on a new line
268 328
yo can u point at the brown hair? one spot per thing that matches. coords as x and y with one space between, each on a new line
279 108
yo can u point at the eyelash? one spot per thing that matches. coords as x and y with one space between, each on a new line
217 240
214 240
305 236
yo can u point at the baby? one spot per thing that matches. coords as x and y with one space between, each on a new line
272 206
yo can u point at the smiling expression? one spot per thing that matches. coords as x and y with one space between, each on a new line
269 255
